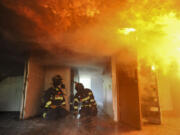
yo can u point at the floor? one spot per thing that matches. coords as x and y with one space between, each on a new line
101 125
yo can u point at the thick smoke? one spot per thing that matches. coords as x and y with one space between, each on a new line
95 28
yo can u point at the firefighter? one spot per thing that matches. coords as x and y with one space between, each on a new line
84 101
53 101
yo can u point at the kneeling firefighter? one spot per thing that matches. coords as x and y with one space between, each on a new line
53 101
84 101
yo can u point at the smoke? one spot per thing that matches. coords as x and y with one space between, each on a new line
96 27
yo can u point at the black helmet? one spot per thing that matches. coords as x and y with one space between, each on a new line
57 80
79 87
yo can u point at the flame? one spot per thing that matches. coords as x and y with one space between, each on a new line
153 68
126 31
155 33
150 27
162 44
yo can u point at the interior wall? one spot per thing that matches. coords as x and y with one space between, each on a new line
165 94
11 93
96 85
169 92
108 99
101 86
65 73
34 87
175 88
97 88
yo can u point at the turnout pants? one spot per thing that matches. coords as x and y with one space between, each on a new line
53 114
86 111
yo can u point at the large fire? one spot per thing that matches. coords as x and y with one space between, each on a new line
159 41
150 27
155 33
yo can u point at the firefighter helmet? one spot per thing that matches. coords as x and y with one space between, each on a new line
79 87
57 80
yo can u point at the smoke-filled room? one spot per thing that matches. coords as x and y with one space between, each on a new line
90 67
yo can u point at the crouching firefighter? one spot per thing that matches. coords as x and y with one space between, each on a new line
53 101
84 102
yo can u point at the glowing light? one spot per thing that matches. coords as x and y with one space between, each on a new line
153 68
159 41
126 31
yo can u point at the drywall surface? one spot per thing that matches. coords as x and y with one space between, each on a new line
35 85
65 73
11 93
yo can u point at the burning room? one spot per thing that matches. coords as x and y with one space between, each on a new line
118 60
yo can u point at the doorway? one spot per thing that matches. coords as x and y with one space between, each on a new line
11 89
